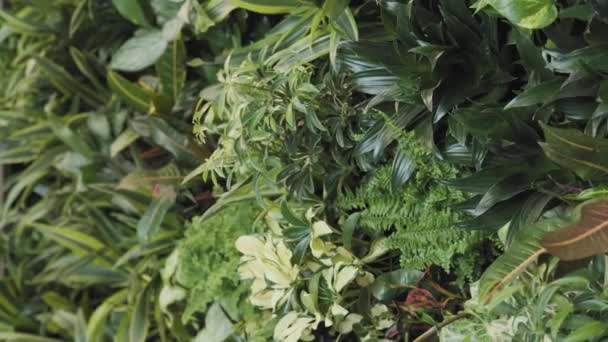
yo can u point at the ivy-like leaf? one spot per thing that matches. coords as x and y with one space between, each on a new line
532 14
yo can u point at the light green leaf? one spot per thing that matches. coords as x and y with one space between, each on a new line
140 322
217 326
123 141
268 6
532 14
132 10
21 337
21 25
587 332
139 52
97 321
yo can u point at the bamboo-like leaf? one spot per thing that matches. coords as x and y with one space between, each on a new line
69 85
78 242
63 132
84 65
23 25
20 337
165 136
268 6
587 237
140 322
80 327
171 69
97 321
123 141
132 94
154 215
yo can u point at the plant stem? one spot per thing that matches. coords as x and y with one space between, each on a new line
438 327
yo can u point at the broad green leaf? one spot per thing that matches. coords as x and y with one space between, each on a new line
571 149
152 219
131 93
524 250
587 332
391 284
401 170
171 69
529 212
268 6
217 326
139 52
126 138
539 94
532 14
132 10
140 317
585 238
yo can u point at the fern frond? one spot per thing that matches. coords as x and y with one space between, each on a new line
420 214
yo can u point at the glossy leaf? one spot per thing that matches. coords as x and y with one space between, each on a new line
532 14
132 10
524 250
587 237
267 6
391 284
571 149
131 93
140 52
140 317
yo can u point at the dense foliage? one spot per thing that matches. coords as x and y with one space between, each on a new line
303 170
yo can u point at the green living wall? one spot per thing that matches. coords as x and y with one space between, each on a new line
303 170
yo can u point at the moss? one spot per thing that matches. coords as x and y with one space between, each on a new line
208 260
